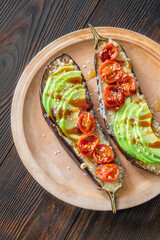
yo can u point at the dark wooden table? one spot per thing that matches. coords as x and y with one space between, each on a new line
27 211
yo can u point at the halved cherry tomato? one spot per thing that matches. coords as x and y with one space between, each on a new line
127 84
109 52
113 97
87 144
103 154
110 71
86 123
108 172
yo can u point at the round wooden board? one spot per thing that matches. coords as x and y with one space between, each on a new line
36 143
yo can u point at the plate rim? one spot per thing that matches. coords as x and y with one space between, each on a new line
50 48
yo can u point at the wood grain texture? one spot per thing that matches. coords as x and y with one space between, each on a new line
126 224
27 211
27 28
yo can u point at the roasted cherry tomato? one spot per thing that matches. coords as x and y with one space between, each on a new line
108 172
103 154
110 71
86 123
87 144
113 97
127 84
109 52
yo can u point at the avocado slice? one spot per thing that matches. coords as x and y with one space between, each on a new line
124 130
63 87
119 125
60 111
52 77
132 144
133 131
72 108
133 138
147 136
50 100
128 141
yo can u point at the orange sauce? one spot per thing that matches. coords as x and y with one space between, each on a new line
80 103
59 90
68 112
131 122
133 141
58 97
52 115
74 130
74 80
156 106
147 115
60 113
154 145
144 124
91 74
139 100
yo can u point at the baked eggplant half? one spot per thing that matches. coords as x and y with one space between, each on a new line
68 110
128 119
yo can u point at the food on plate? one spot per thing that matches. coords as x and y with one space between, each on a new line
67 108
86 123
103 154
127 116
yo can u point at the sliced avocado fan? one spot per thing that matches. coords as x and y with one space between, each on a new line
132 128
52 77
120 126
60 110
151 143
65 76
63 87
72 108
64 97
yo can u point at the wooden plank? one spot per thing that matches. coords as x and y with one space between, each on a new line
27 210
151 26
126 14
28 26
135 223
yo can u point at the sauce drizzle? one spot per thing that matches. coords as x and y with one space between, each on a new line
156 106
91 74
154 145
144 124
147 115
74 80
75 130
80 103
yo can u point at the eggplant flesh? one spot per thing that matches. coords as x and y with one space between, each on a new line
71 146
109 115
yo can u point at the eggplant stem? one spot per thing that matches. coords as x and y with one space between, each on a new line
112 197
97 37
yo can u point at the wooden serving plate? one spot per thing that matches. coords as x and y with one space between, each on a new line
37 144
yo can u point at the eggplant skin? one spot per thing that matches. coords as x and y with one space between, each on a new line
60 135
55 128
133 160
57 131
